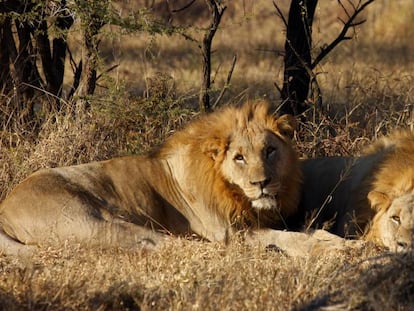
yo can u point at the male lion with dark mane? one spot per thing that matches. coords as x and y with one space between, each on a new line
369 197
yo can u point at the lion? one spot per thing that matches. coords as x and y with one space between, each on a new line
231 170
370 197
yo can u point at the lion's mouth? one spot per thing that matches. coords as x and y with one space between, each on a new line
265 202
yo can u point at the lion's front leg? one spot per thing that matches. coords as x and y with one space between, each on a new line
124 234
300 244
9 246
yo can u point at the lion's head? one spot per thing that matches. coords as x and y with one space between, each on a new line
257 160
392 192
393 225
248 167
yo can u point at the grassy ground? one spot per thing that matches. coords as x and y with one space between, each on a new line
367 90
206 276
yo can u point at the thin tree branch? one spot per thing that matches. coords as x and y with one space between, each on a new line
77 73
342 35
278 88
189 38
226 85
107 71
184 7
217 10
280 14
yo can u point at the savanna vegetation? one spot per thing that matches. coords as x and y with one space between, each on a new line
147 72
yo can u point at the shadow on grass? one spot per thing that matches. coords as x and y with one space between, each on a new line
118 297
384 282
9 302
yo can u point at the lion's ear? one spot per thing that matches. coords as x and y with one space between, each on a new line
213 148
378 200
286 125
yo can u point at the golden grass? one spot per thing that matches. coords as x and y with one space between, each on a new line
189 275
200 275
367 90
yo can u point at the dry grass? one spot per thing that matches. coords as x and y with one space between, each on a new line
201 276
205 276
367 90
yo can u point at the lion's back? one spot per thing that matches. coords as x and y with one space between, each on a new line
325 184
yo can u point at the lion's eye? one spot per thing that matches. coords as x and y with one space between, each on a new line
396 219
238 158
270 151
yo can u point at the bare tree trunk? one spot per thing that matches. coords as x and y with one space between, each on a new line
6 84
27 77
297 59
86 75
92 24
53 60
91 61
63 22
216 11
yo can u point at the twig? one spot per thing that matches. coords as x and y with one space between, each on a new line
189 38
279 89
77 72
76 79
344 175
106 71
277 52
184 7
45 92
226 85
280 14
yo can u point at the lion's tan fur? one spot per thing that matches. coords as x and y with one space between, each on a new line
178 188
363 192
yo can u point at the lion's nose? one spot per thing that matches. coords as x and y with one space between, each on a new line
262 183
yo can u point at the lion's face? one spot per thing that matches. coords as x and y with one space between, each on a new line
394 223
258 160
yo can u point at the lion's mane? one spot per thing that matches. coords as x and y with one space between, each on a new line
211 136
